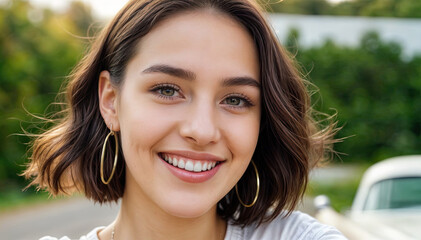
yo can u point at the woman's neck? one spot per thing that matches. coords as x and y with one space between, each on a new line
142 219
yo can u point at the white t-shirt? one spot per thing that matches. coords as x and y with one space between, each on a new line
297 226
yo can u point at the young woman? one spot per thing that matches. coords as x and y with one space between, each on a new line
191 113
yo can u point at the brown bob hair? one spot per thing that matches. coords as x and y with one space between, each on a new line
67 157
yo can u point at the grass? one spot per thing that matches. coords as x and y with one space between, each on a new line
341 192
15 198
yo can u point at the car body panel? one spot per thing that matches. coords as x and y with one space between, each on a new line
397 167
366 220
395 224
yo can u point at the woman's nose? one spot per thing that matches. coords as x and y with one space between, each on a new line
200 125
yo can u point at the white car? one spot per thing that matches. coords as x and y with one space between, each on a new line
387 204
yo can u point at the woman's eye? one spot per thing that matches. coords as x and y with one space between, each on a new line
167 91
233 101
237 101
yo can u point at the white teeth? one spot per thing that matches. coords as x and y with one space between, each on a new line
197 167
192 166
180 164
189 166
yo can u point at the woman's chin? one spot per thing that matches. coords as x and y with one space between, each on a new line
188 209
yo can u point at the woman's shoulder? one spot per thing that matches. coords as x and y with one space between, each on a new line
92 235
298 226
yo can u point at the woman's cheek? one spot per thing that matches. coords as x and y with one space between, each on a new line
242 136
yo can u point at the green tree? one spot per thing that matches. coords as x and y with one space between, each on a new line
311 7
376 93
372 8
389 8
38 50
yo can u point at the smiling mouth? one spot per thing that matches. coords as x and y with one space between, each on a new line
188 164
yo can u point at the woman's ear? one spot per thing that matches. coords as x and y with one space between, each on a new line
108 101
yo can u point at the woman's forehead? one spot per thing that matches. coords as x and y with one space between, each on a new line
198 40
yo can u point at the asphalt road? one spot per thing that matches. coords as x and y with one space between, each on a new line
72 217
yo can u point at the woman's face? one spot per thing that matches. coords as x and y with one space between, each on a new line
190 98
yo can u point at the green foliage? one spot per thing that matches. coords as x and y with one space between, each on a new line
311 7
376 93
372 8
38 49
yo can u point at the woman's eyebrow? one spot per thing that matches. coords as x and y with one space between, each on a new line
241 81
189 75
170 70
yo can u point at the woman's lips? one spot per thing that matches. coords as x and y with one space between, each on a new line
194 155
191 170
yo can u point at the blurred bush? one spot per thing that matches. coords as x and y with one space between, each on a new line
377 95
38 49
372 8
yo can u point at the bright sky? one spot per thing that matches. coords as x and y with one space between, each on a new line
101 8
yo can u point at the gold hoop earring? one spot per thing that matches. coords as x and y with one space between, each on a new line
257 191
103 154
